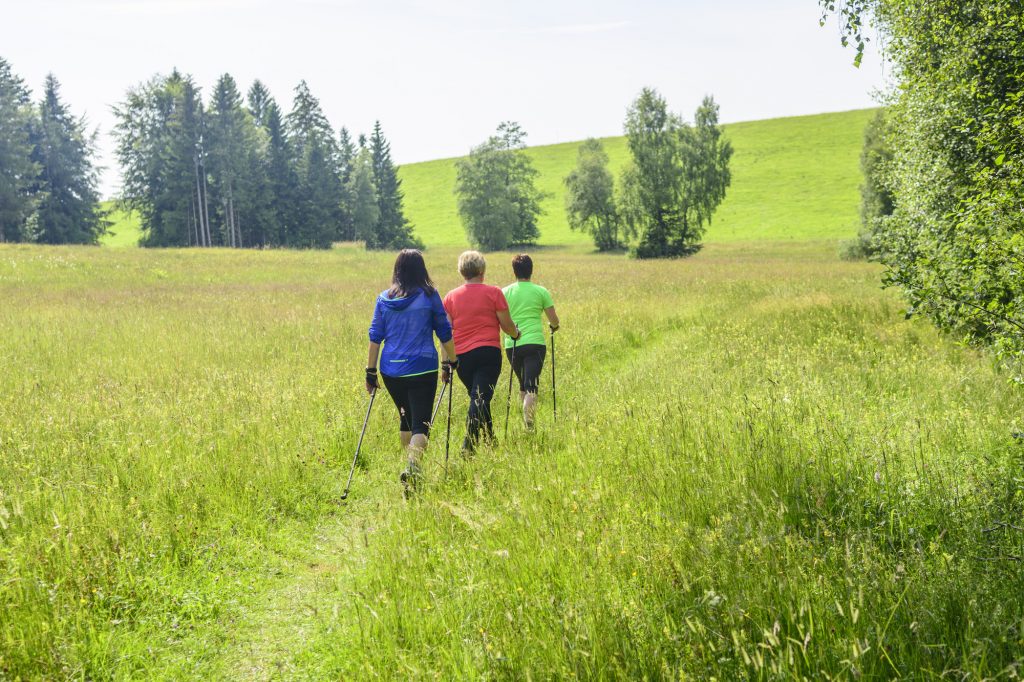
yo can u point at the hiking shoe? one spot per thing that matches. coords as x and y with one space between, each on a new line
410 478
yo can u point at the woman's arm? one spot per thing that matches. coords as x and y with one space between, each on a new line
371 367
552 318
448 351
507 325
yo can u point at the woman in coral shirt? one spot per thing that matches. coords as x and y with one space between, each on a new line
478 313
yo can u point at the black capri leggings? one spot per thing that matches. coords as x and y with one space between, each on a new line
527 364
479 370
414 398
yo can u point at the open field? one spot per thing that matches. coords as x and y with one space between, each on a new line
793 179
760 470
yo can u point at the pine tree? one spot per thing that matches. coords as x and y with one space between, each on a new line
259 99
346 163
68 210
363 191
228 147
392 230
321 217
282 179
159 146
17 170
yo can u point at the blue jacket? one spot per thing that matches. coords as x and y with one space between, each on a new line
406 327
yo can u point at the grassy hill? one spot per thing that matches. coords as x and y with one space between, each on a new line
124 230
793 178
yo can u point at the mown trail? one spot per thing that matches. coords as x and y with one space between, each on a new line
275 623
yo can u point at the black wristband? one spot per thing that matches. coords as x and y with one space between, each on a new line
371 370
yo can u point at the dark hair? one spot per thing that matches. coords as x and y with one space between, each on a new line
522 265
409 275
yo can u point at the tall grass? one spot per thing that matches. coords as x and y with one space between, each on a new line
760 470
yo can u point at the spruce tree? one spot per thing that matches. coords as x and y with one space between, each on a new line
68 210
282 179
226 145
17 169
346 162
363 191
259 99
392 230
159 133
321 218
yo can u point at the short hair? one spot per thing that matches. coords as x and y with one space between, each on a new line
472 264
522 265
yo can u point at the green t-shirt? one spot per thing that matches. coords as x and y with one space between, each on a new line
526 303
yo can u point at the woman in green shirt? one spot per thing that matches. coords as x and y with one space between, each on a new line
526 302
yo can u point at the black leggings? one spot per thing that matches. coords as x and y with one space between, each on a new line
479 370
527 362
414 398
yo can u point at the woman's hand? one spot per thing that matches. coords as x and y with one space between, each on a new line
447 367
371 380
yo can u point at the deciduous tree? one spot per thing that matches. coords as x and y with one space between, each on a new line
590 197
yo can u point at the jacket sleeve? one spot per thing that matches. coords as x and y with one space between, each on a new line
439 319
377 324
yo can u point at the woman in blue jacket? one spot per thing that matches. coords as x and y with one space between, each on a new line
405 319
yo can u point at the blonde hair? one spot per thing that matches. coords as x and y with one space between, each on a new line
472 264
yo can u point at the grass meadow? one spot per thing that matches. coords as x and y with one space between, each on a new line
760 470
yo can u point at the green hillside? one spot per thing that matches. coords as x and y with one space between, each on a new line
793 178
124 230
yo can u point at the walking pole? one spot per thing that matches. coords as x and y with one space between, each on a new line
366 420
554 393
437 407
511 371
448 434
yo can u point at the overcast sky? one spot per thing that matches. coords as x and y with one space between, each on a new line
441 74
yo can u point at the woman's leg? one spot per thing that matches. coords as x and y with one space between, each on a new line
468 366
399 395
484 381
533 365
421 392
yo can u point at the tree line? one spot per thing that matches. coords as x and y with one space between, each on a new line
944 163
675 180
238 171
242 173
48 180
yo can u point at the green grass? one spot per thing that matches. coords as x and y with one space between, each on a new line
124 229
793 178
760 470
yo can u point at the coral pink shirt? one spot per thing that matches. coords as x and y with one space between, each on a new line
473 309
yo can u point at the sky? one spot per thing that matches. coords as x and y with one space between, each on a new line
441 74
